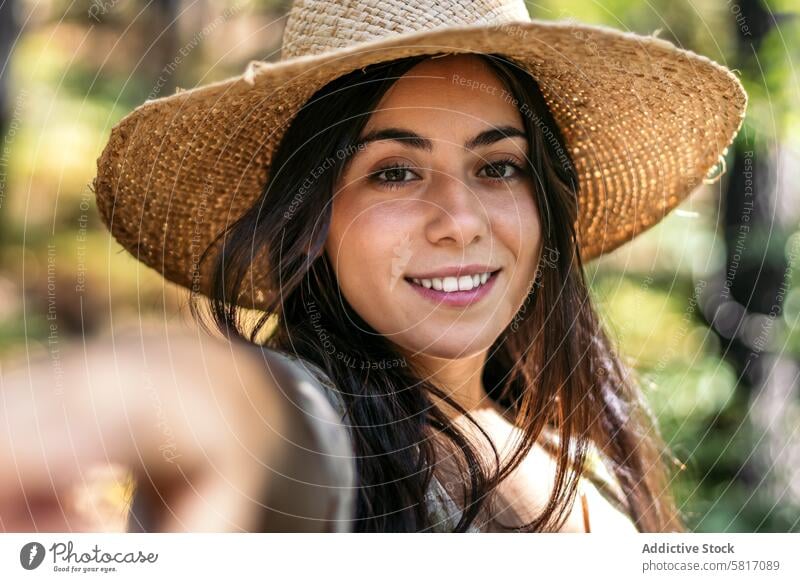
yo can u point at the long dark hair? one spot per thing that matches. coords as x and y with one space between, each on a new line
552 367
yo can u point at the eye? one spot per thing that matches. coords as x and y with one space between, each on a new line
392 176
501 170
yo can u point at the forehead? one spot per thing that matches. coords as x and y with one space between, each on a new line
451 93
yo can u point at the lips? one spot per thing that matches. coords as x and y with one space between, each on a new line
453 283
455 291
454 278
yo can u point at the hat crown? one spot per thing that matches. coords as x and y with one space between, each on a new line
318 26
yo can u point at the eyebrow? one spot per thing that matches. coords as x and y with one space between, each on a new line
410 139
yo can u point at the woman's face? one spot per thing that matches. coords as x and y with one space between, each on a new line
435 235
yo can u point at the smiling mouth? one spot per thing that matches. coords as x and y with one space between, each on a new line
455 284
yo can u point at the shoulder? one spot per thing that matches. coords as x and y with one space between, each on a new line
608 507
320 458
310 379
524 494
600 505
604 515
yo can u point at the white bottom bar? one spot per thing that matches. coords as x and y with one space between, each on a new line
401 557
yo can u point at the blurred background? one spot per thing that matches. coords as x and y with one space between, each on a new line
705 306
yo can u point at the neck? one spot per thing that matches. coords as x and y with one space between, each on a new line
460 379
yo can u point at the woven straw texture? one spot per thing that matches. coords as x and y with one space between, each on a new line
644 122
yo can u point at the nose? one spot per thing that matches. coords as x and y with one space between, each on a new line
456 216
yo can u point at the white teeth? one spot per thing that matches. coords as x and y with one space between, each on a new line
465 283
450 284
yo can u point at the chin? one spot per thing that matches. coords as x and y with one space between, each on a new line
452 345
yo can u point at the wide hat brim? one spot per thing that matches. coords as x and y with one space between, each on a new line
644 121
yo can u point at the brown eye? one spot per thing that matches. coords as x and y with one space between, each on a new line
393 176
501 170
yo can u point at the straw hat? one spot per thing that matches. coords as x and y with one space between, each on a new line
644 122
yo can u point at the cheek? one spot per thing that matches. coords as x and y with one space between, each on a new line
366 244
362 234
518 227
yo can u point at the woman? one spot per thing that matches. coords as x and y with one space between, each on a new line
412 220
